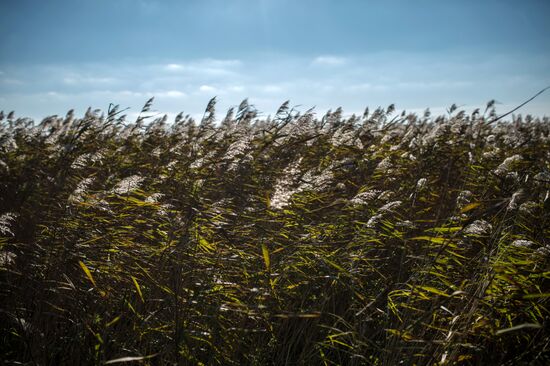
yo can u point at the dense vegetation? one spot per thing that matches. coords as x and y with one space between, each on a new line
379 239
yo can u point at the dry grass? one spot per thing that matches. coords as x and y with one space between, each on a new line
373 240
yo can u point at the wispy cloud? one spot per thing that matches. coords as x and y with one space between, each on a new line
207 89
434 85
214 67
272 89
330 60
412 81
171 94
365 87
236 88
10 81
79 79
173 67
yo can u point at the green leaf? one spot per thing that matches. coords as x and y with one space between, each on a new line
205 245
138 288
537 296
433 239
433 290
470 207
87 272
265 253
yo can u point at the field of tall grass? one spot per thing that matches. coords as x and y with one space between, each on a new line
295 239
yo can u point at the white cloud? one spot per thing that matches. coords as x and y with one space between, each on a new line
207 89
171 94
416 85
211 71
272 89
236 88
212 67
78 79
361 87
330 60
174 67
409 80
125 93
221 63
11 81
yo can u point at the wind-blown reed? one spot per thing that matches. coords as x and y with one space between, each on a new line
369 240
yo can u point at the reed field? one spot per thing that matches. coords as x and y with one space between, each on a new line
295 239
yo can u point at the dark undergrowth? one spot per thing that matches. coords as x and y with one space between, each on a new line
379 239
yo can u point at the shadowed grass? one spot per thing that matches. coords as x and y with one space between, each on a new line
372 240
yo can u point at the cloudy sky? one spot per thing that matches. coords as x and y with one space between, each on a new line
61 54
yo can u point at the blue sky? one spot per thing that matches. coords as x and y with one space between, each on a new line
63 54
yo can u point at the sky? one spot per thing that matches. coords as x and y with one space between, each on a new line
58 55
